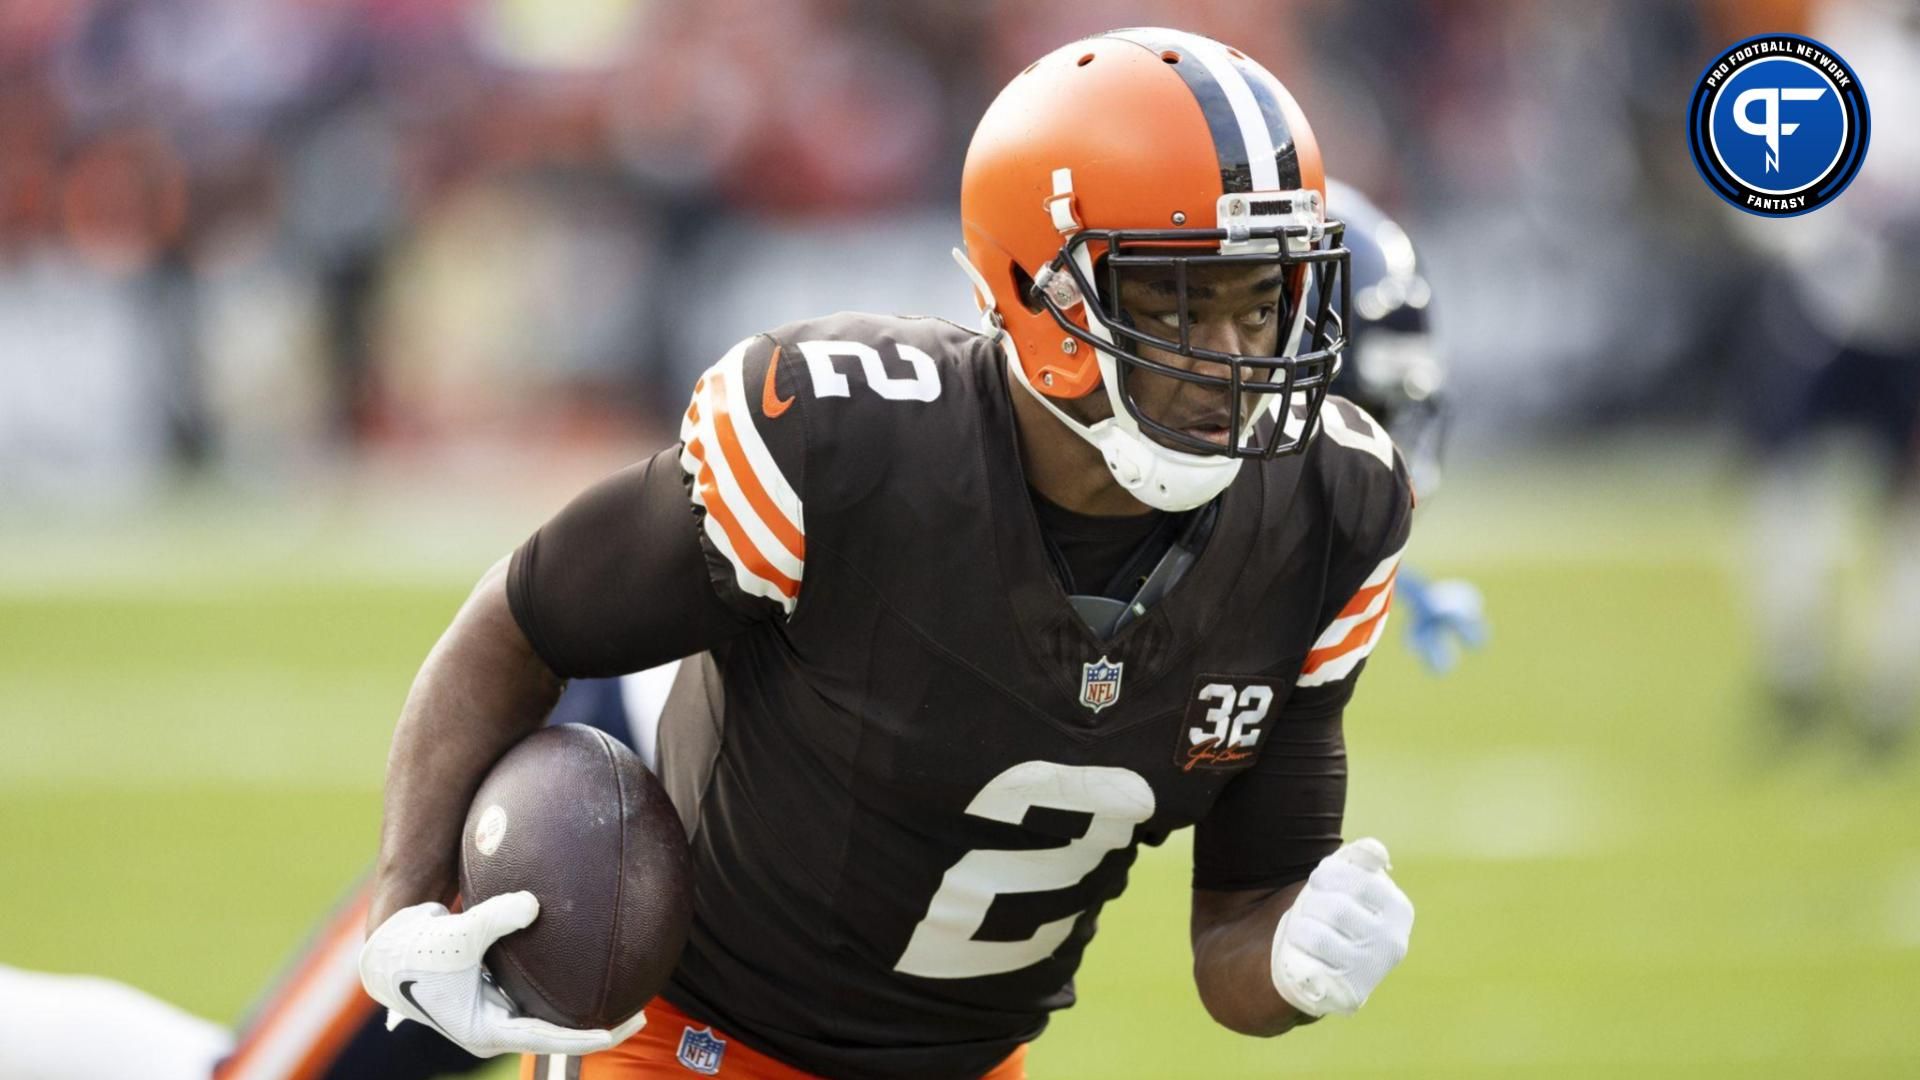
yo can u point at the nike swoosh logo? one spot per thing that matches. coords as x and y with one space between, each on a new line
770 400
406 991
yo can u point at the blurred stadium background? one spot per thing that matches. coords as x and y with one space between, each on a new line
310 309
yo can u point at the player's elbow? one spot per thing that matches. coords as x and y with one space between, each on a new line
1237 992
1232 935
1247 1014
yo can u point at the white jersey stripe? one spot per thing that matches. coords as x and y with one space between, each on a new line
740 410
1264 172
1370 618
750 583
1342 666
706 431
709 455
1337 631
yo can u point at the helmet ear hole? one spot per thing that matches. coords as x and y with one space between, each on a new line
1023 285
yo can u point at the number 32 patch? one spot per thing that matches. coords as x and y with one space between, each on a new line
1225 722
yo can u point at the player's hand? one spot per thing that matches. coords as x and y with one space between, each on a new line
1344 932
1443 617
423 964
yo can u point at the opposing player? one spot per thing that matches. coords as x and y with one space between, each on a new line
1393 369
970 616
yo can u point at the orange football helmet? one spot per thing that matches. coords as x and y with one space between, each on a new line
1150 147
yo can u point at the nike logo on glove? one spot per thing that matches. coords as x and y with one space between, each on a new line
770 401
406 991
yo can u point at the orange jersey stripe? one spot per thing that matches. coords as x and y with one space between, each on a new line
742 543
757 498
1364 597
1356 638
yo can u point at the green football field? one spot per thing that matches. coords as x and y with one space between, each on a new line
1614 875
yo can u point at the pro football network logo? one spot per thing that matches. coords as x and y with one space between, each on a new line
1778 125
701 1050
1100 683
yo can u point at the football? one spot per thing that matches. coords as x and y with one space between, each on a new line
571 815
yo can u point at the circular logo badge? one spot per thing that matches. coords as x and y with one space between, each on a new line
491 830
1778 125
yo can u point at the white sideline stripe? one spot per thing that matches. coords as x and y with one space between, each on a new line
1513 803
336 982
1265 172
557 1067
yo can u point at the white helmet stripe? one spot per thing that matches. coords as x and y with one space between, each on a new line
1246 109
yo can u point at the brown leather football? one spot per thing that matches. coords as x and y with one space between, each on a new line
571 815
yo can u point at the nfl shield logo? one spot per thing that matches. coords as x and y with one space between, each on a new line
1099 684
700 1051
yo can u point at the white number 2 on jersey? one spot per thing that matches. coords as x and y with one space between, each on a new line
922 385
943 946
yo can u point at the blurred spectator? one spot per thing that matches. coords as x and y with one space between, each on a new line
258 232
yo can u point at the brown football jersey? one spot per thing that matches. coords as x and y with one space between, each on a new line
911 773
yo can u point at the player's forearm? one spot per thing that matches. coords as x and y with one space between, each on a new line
481 690
1232 960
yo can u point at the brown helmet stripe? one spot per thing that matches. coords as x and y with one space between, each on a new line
1286 156
1229 143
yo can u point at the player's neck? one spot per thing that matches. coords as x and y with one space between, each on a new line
1064 468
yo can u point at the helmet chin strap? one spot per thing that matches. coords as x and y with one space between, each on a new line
1158 476
1162 478
990 323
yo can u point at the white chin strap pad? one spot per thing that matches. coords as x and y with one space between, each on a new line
1162 478
1157 476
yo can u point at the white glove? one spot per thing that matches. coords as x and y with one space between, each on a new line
1344 932
423 964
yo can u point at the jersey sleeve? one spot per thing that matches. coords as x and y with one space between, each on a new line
617 581
1274 822
1279 818
1369 495
743 454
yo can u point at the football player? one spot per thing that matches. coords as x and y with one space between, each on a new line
1392 369
1256 922
968 617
